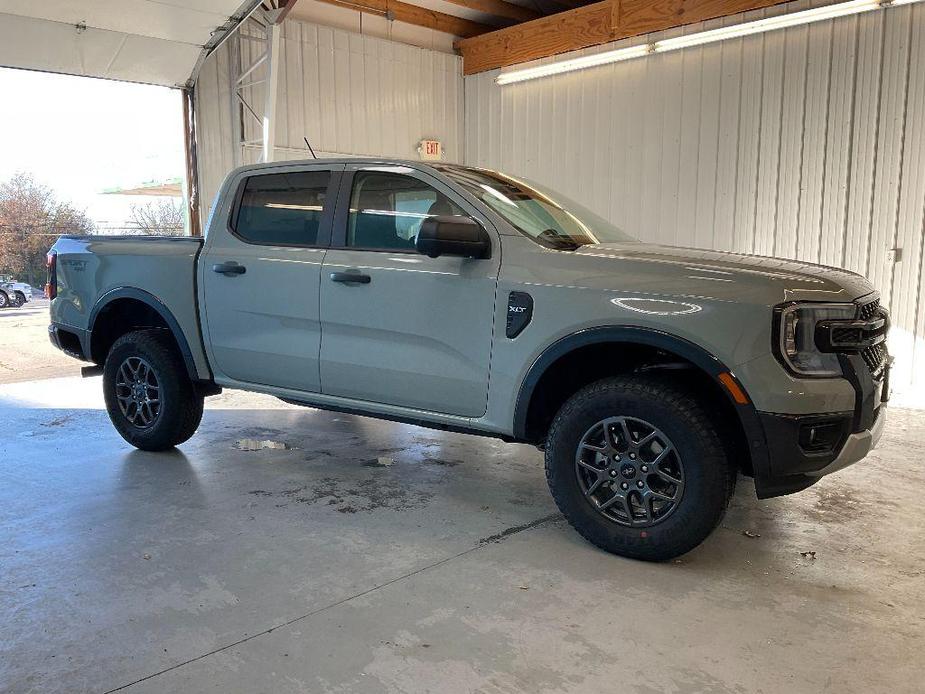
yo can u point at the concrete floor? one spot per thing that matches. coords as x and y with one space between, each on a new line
317 569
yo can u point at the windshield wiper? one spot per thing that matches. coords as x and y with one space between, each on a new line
551 239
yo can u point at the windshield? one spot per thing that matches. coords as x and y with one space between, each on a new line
547 217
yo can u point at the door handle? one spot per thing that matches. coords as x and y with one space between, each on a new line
229 269
351 277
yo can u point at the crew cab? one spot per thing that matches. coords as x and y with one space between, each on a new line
469 300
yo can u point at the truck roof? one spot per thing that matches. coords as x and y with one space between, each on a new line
355 160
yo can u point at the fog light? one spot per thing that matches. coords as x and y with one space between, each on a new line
821 437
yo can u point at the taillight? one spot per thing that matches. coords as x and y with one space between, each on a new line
51 274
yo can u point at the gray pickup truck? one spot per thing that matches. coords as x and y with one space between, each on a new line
467 300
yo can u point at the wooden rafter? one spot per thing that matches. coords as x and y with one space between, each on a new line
412 14
499 8
591 25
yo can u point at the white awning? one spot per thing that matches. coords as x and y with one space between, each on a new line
151 41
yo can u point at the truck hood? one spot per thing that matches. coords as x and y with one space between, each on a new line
699 269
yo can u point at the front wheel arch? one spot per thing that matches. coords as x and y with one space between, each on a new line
643 349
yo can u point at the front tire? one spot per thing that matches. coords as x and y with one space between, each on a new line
637 468
20 300
151 401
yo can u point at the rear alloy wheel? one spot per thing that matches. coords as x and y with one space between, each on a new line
4 300
138 392
149 395
636 466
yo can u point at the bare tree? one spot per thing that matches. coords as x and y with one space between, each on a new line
161 217
31 219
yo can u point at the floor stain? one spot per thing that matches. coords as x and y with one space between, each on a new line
352 496
841 504
442 461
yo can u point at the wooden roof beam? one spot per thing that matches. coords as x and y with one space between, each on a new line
499 8
412 14
591 25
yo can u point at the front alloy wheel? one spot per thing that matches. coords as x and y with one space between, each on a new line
636 465
629 471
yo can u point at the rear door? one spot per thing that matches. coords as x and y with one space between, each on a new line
411 331
260 275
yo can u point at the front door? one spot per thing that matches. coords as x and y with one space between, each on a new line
398 327
260 276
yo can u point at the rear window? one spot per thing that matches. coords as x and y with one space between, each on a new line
283 209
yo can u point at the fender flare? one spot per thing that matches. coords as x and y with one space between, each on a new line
159 307
695 354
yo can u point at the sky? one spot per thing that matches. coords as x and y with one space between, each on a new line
80 136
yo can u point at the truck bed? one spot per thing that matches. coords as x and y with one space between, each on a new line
93 271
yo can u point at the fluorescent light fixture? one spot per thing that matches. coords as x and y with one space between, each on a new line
700 38
760 26
581 63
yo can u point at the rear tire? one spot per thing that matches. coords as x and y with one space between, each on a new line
151 401
4 300
637 468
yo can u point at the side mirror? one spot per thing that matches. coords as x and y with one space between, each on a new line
451 235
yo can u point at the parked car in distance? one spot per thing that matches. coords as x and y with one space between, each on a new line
467 300
14 294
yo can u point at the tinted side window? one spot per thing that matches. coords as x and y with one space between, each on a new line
283 209
387 210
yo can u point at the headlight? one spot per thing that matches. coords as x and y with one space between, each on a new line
796 337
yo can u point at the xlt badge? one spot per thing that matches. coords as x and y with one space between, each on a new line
519 313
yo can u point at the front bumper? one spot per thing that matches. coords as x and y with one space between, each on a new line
801 449
857 446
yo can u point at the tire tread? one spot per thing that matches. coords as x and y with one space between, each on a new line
178 424
686 407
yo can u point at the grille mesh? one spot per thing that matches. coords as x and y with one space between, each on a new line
874 356
869 309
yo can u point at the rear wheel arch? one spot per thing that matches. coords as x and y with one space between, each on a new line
127 309
586 356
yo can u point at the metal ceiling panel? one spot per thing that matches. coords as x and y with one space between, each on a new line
152 41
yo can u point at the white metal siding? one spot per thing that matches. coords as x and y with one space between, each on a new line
806 143
349 94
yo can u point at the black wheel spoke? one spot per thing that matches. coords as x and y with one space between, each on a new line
612 500
594 485
659 495
137 392
628 437
589 466
640 462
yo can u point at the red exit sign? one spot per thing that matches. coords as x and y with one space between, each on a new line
431 150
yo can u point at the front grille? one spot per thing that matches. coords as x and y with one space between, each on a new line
869 310
875 357
842 336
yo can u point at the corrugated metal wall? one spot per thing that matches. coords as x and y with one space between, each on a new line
806 143
349 94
